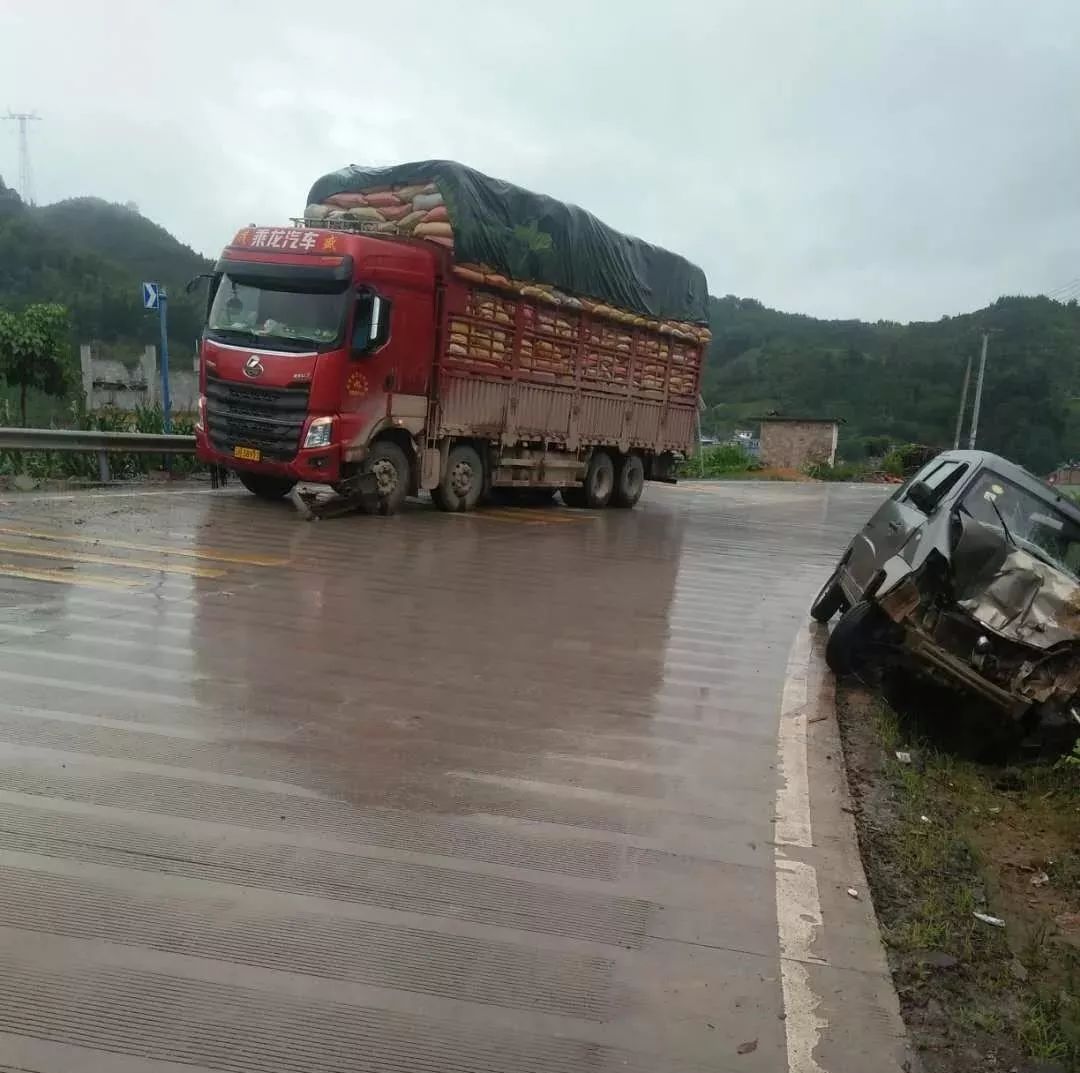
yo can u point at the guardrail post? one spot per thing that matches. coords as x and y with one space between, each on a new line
103 467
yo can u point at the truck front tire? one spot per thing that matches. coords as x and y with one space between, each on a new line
265 486
629 481
462 483
389 465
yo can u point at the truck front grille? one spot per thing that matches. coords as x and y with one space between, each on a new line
269 418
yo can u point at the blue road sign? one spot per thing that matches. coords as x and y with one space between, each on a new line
151 294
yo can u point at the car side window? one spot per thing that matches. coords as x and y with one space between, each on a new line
945 478
939 477
901 492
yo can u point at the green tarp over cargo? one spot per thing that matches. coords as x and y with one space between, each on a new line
534 238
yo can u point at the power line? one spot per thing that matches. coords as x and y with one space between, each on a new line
26 174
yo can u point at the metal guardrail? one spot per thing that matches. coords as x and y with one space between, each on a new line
100 443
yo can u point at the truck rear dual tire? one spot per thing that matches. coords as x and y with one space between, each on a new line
629 481
608 482
265 486
463 481
598 487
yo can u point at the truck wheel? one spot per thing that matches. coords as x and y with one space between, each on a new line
389 465
829 600
629 481
848 647
265 486
598 486
463 482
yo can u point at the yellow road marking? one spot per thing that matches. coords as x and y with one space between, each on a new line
533 517
108 560
92 580
211 555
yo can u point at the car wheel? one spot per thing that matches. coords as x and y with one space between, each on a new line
829 600
266 487
852 637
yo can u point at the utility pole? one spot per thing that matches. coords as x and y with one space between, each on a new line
963 405
978 392
26 174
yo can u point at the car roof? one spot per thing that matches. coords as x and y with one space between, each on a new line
1018 475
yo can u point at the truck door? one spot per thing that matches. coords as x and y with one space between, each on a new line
392 343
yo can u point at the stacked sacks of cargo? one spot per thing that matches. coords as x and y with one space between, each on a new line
418 211
485 335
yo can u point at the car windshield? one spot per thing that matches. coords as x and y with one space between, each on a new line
261 310
1026 520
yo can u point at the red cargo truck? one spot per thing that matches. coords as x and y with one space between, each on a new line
390 343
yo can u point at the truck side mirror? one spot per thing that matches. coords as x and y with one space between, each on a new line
922 496
371 323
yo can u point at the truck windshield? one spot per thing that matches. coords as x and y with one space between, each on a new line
259 310
1032 523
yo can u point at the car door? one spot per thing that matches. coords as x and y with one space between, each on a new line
893 525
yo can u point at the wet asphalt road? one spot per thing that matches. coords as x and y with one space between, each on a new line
440 793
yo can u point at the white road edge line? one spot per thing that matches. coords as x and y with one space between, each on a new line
798 901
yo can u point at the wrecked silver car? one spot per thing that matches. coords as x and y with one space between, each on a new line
968 575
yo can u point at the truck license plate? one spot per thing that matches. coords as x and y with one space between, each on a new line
248 454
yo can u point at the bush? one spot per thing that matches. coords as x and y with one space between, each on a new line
904 460
53 465
718 461
838 471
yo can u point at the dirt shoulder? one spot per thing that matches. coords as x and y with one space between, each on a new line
945 840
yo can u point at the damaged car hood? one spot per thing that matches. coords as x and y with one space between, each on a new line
1027 600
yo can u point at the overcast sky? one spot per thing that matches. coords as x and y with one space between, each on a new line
865 158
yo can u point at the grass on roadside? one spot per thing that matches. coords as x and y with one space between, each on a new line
946 838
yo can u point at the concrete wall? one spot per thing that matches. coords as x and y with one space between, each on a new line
108 383
795 444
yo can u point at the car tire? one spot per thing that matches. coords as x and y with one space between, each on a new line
829 600
265 486
462 483
390 466
629 481
849 642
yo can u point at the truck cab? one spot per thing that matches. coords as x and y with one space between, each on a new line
318 344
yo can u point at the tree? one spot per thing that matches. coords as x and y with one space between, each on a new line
33 351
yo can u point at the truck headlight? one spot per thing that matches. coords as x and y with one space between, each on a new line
200 415
318 433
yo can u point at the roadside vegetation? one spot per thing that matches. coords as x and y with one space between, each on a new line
975 873
731 461
71 465
902 381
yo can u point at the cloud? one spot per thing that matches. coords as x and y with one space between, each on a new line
898 161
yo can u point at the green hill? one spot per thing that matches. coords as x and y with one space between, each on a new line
886 380
92 256
903 381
